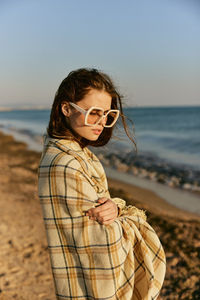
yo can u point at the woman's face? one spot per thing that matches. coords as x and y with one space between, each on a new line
77 119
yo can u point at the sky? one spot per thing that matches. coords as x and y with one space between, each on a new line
150 48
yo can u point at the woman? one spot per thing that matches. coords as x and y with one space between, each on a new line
99 247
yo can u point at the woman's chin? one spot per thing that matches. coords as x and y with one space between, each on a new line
92 138
88 136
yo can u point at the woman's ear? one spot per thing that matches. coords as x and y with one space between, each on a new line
65 109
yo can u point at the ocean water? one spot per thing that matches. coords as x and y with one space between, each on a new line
169 133
172 133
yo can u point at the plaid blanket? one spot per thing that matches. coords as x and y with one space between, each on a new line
123 260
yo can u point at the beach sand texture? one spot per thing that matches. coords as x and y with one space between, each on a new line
25 271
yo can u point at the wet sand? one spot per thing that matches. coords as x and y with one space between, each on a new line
152 201
25 271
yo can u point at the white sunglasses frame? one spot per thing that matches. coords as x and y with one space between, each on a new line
86 113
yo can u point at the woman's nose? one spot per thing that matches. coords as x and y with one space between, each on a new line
103 121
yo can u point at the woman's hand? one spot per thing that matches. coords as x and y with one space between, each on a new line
105 213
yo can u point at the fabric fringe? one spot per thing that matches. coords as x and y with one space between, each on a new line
129 210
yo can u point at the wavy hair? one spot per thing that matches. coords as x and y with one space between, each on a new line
73 89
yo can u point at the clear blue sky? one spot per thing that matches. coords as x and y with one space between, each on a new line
151 48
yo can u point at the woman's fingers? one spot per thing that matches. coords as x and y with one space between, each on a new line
103 221
102 213
105 213
110 221
106 206
102 200
104 217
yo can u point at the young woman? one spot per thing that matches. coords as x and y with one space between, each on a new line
99 247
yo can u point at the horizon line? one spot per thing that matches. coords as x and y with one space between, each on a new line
44 107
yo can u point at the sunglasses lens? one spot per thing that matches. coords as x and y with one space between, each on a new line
111 117
96 114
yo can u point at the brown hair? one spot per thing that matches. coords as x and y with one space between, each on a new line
72 89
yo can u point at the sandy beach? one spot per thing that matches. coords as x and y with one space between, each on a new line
25 271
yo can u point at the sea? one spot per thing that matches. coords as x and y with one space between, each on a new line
169 133
172 133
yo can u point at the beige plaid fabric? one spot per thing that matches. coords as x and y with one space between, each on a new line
124 260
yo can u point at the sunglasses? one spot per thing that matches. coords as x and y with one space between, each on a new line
94 115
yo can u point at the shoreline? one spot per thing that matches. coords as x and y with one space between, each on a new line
155 169
190 203
145 166
150 201
159 192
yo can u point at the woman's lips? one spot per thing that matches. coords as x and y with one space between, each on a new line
96 131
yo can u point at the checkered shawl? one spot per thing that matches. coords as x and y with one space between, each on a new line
123 261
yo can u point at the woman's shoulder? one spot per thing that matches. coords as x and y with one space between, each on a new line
62 152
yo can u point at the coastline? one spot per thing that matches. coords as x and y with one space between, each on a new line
143 167
24 261
158 196
186 197
151 167
152 202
